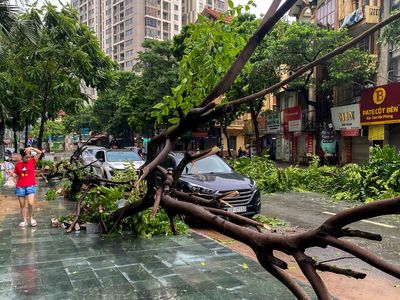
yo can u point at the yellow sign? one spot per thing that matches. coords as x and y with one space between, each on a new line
376 132
379 96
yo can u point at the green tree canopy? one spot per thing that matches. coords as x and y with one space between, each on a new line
65 55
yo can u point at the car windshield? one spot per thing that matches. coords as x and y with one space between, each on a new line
211 164
123 156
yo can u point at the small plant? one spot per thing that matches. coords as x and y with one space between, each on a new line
50 195
273 222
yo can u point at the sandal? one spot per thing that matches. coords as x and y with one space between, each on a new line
23 224
33 223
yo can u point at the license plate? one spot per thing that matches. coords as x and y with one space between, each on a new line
237 209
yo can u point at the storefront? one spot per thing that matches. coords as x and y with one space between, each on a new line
346 122
380 111
292 142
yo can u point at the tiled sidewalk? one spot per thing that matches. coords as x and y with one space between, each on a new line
47 263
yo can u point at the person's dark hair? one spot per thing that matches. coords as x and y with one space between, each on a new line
22 152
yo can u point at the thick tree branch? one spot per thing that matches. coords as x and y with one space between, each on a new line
317 62
306 265
272 16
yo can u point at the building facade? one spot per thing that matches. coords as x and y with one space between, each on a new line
122 25
362 114
191 8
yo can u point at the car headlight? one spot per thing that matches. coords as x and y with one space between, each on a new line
253 184
199 189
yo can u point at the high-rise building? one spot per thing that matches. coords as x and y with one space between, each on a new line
123 25
191 8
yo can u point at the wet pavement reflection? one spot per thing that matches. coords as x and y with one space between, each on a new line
47 263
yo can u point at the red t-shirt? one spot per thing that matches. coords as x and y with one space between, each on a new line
25 172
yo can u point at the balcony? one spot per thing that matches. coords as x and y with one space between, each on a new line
367 14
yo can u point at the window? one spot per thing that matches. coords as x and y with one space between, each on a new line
108 41
129 63
176 7
129 42
165 36
129 11
129 31
150 22
176 17
151 32
129 53
129 21
326 14
176 27
108 50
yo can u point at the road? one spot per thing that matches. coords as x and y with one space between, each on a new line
309 210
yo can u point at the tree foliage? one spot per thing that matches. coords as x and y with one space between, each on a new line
65 54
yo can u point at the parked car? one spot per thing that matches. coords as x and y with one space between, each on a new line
112 160
211 176
88 154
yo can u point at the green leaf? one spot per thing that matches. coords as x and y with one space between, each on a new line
174 120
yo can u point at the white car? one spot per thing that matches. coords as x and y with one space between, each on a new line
112 160
88 154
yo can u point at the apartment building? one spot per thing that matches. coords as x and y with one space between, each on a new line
123 25
191 8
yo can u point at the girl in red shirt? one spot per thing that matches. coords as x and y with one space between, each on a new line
24 171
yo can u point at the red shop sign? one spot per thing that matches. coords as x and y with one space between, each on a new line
380 105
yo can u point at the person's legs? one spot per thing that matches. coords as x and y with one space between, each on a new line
22 207
31 203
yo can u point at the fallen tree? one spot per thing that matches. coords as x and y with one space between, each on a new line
161 192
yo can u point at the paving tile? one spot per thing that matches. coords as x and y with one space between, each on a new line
46 263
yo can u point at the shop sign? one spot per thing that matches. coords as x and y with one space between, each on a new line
292 119
328 142
346 117
376 132
380 105
273 123
350 132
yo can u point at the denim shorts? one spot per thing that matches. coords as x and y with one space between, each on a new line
25 190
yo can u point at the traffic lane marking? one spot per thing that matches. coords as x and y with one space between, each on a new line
365 221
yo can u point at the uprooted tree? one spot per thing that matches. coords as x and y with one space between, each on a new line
161 192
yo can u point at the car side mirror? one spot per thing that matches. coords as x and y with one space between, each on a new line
100 156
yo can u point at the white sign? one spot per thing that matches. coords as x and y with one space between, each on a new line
294 125
346 117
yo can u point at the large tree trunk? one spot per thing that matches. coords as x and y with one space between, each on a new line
254 116
14 125
43 114
161 185
26 133
41 130
228 144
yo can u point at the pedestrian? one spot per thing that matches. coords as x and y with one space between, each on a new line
24 171
240 152
9 181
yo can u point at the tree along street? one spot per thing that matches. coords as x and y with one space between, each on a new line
306 210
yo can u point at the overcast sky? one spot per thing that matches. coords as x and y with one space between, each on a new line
262 5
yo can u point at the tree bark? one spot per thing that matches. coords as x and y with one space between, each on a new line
44 113
228 144
254 116
15 134
26 133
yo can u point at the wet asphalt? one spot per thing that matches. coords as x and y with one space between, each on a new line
309 210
